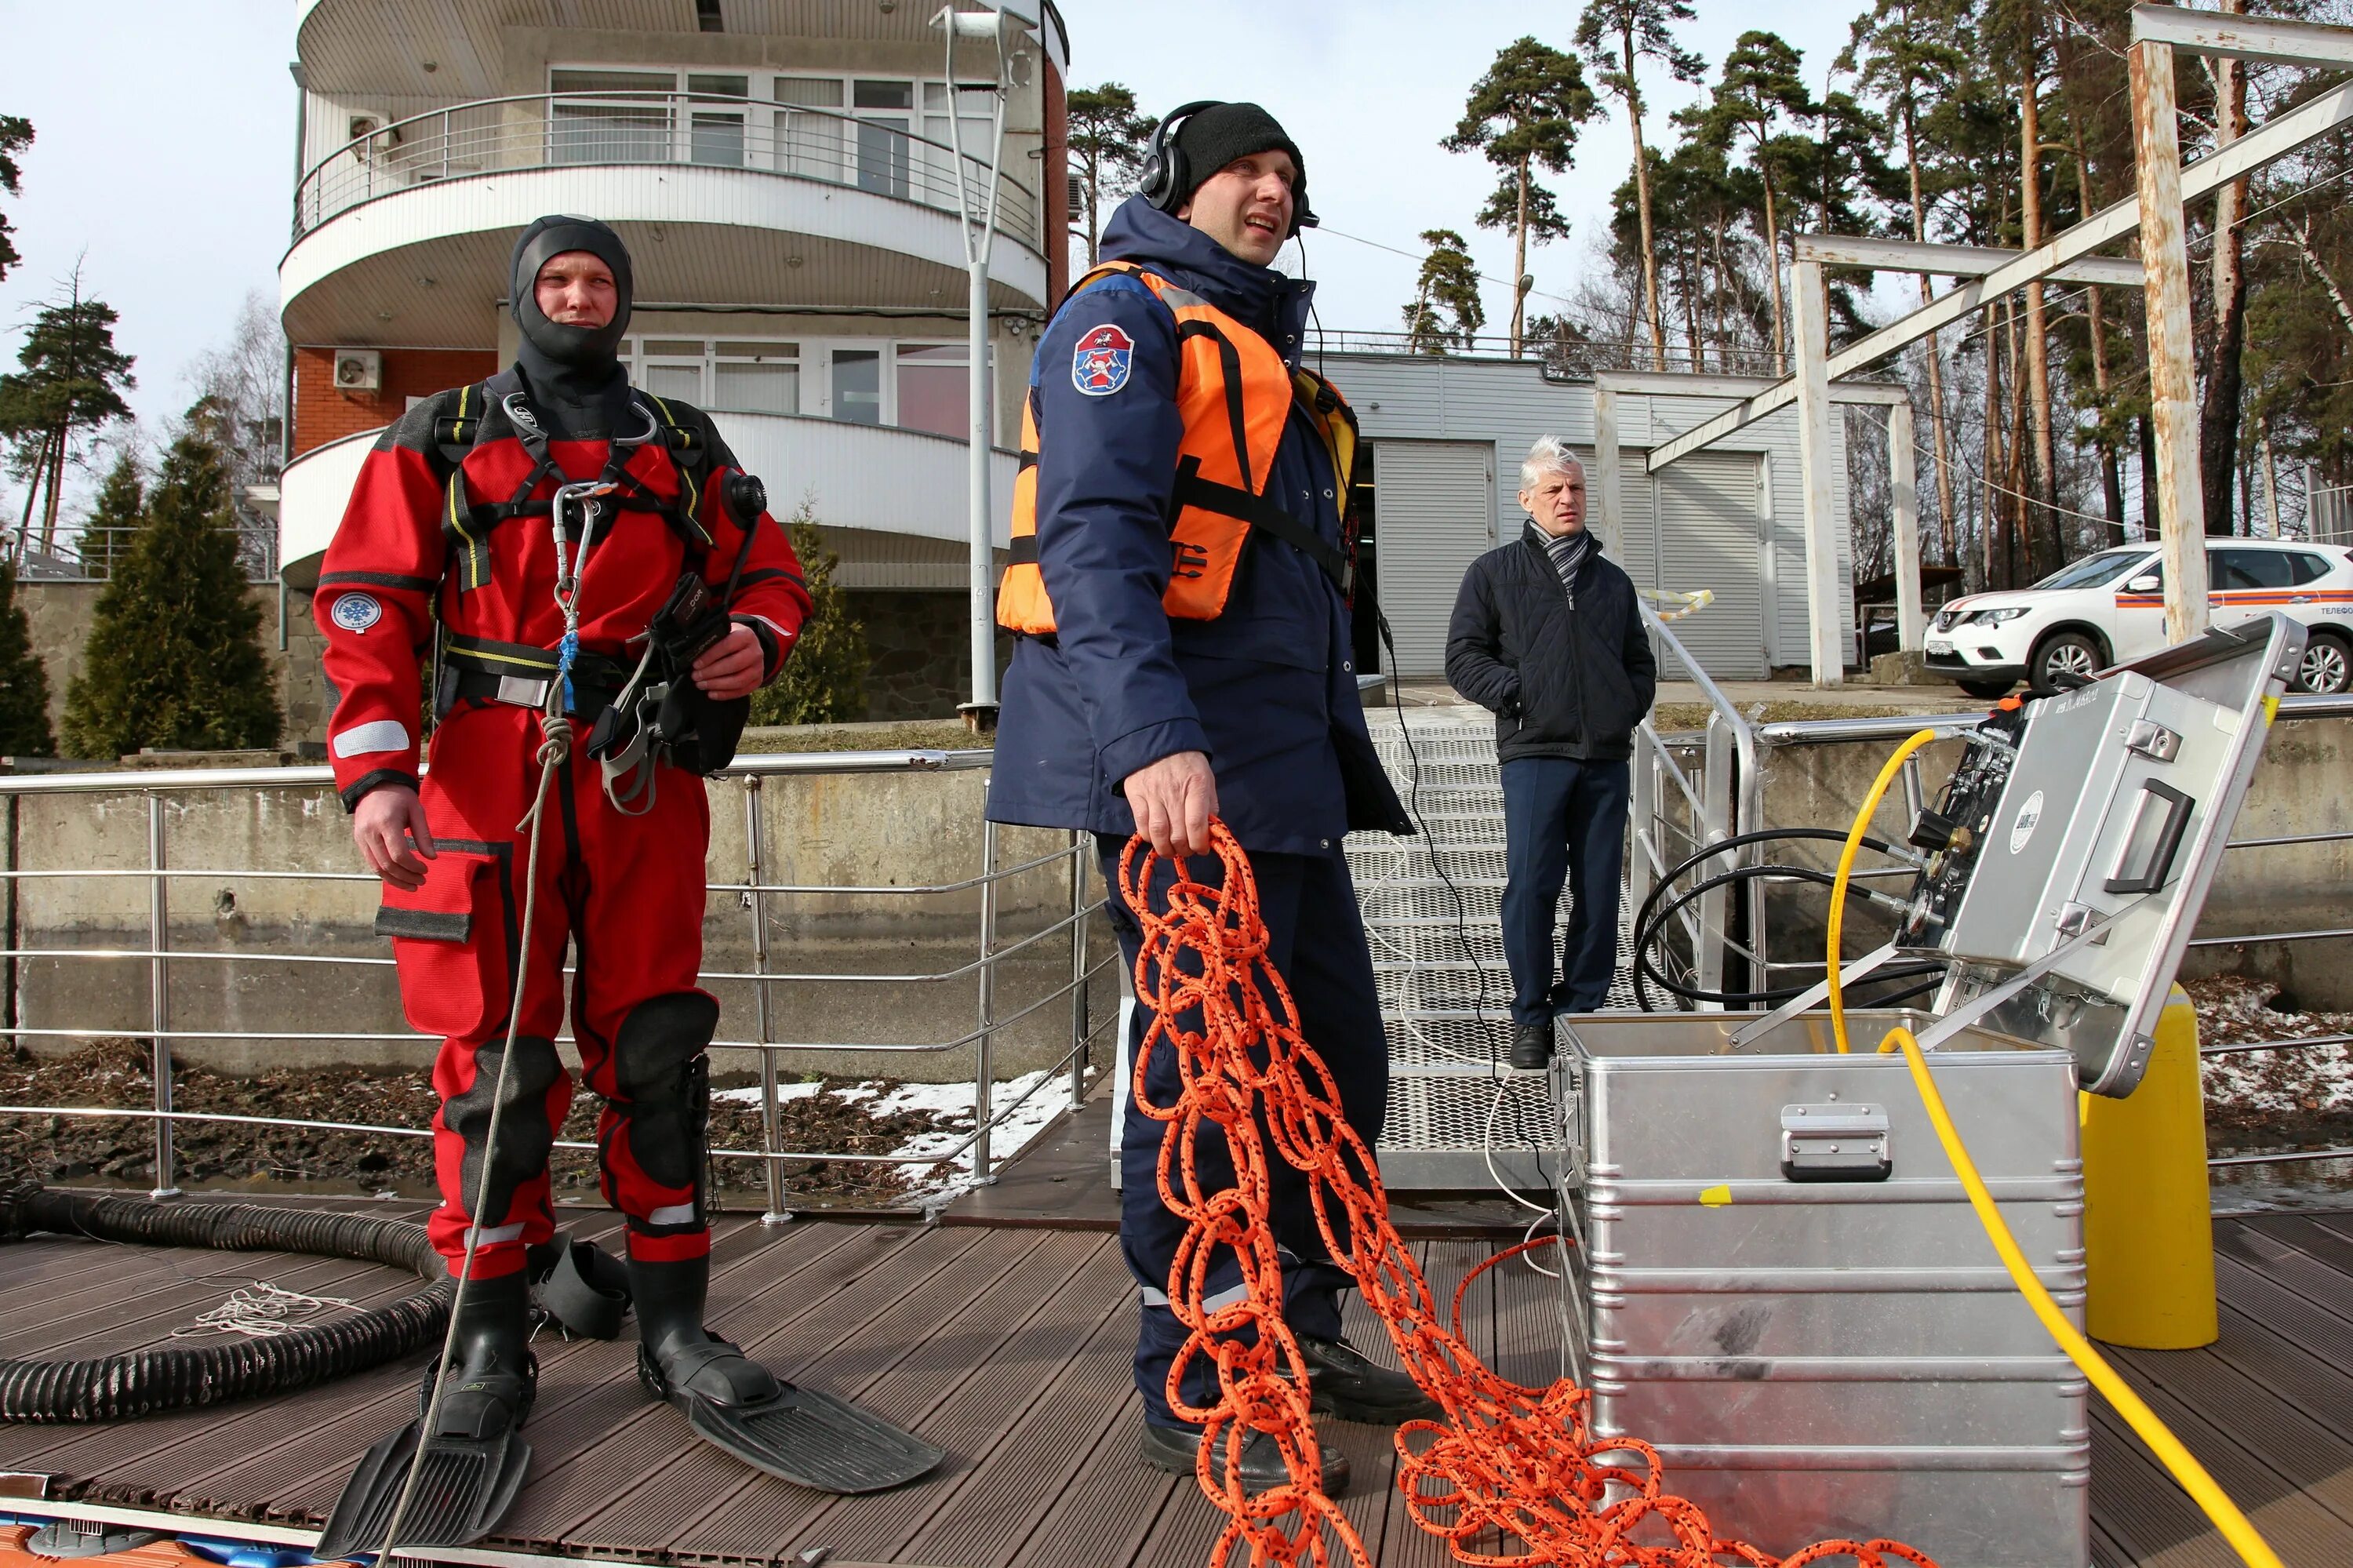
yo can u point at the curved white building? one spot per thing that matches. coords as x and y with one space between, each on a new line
783 172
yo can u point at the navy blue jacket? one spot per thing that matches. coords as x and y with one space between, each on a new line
1267 690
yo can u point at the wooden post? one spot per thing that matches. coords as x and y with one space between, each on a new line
1903 473
1828 633
1608 501
2172 379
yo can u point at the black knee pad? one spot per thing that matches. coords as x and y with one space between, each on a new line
524 1135
665 1081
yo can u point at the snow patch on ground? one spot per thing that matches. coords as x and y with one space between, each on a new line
1040 1102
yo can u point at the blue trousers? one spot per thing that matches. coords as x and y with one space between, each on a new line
1562 819
1316 942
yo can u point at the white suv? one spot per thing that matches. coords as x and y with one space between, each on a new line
2109 608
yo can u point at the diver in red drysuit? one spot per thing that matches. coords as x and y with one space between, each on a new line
441 524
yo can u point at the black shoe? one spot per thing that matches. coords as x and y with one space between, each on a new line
1531 1046
1173 1449
1341 1382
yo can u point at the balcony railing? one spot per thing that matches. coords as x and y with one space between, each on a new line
570 130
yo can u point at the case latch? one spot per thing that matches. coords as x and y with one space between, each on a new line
1835 1143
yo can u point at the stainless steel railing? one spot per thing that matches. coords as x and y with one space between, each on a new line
1675 809
571 129
755 891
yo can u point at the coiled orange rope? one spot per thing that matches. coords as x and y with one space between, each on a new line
1519 1461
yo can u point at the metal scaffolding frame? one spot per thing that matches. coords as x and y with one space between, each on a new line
2153 215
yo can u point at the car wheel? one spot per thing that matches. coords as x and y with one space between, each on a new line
2069 656
2326 667
1988 690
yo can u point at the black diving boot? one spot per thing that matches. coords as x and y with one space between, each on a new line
474 1459
737 1406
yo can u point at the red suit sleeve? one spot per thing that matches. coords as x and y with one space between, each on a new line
374 606
771 595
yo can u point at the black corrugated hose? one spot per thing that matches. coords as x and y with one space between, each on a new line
143 1382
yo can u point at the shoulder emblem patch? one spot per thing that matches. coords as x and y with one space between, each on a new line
1098 365
355 612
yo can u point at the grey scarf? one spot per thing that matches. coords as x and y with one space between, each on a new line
1567 552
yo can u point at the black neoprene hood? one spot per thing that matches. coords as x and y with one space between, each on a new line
581 348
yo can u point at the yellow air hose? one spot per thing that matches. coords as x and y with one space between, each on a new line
2201 1488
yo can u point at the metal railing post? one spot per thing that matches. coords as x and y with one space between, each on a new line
1078 969
159 994
756 841
1713 827
1642 829
982 1062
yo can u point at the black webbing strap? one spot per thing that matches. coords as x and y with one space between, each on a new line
1259 513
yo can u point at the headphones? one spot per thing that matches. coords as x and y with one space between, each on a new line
1167 179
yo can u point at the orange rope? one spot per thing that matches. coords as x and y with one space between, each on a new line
1518 1461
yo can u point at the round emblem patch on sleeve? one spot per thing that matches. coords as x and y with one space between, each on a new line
355 612
1098 365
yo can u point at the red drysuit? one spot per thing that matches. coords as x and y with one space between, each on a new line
625 892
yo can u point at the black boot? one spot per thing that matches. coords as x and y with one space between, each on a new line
490 1375
1531 1046
672 1342
1175 1450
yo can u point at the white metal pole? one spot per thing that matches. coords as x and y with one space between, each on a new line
1903 471
1826 640
979 233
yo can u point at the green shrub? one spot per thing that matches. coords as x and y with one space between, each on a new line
825 678
174 657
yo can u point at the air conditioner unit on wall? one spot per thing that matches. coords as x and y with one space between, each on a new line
359 370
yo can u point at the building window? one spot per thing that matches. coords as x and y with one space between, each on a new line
714 132
934 388
884 117
629 123
807 144
860 381
756 377
858 386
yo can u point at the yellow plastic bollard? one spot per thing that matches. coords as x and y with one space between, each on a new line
2149 1233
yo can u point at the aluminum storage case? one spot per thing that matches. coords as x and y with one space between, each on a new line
1792 1300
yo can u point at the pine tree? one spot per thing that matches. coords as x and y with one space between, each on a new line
1526 110
24 683
15 135
1447 283
1761 92
106 533
1616 36
825 680
1107 138
71 386
175 658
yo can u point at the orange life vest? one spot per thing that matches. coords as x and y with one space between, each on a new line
1235 395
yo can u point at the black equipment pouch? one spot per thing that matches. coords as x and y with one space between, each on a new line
662 710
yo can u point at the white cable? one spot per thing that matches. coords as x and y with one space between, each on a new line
261 1311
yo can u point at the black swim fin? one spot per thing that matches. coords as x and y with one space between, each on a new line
474 1458
465 1489
797 1434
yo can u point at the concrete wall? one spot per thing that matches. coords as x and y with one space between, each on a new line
882 830
59 614
2298 788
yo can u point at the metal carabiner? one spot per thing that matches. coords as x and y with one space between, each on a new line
567 582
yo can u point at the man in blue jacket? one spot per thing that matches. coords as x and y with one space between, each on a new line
1548 634
1179 582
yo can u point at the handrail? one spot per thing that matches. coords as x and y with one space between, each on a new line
760 764
753 885
431 148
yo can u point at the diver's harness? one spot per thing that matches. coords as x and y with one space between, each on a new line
642 717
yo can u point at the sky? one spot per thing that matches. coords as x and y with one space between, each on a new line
167 176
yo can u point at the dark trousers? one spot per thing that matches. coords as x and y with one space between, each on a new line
1562 818
1316 943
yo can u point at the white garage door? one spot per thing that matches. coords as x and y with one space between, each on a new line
1434 514
1707 522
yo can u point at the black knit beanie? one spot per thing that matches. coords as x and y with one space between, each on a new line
1213 137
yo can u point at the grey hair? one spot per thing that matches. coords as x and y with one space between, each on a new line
1549 455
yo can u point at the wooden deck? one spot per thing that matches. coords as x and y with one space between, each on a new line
1008 1344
